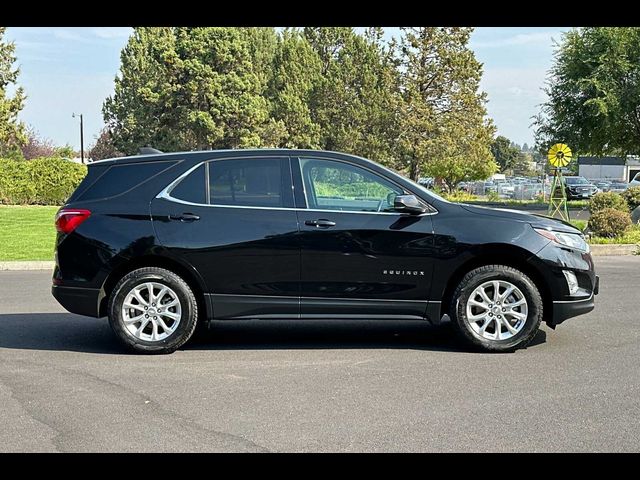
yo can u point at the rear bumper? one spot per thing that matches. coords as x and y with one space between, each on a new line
83 301
563 310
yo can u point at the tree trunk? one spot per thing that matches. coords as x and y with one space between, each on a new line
413 170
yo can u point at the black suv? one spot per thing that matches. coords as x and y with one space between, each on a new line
579 188
161 242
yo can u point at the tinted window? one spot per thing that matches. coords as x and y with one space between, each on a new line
93 173
255 183
121 178
331 185
192 188
577 181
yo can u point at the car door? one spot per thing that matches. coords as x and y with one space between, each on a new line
233 221
359 257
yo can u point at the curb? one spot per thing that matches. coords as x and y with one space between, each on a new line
30 265
615 249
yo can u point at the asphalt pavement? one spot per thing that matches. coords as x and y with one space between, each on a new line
66 385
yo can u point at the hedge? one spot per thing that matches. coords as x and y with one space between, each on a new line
609 223
632 196
603 200
42 181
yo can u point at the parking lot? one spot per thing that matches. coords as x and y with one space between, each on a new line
66 385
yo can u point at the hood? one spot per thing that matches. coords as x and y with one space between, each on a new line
535 220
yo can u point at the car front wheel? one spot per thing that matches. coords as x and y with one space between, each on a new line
497 308
153 310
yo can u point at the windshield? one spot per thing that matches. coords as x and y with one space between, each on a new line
577 181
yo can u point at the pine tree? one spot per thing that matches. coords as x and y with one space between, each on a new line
190 88
443 124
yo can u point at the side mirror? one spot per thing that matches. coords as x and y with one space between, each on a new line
408 204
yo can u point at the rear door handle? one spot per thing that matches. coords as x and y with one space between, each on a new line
321 223
185 217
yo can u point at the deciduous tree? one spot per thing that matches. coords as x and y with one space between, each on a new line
504 152
104 147
594 93
12 131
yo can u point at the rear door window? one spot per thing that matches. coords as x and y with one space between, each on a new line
255 182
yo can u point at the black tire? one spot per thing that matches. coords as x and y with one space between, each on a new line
188 320
477 277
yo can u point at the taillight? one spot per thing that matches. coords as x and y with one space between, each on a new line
68 219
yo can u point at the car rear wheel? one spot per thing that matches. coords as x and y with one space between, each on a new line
497 308
153 310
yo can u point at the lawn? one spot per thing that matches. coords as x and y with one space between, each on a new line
27 232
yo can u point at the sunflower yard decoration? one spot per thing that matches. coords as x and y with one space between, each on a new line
559 157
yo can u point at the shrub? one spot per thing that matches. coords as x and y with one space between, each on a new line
604 200
459 196
609 222
43 181
632 196
493 196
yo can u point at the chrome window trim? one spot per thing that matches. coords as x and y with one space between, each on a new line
165 194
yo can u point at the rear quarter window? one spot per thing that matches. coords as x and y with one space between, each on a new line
119 179
192 188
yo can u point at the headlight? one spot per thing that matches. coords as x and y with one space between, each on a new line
571 240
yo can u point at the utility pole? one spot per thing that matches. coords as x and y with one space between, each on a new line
73 115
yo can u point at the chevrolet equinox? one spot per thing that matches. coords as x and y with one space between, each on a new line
159 242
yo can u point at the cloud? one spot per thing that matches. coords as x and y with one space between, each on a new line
71 35
112 32
533 38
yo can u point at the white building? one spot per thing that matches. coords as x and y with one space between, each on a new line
614 168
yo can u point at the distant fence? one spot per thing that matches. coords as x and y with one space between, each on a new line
522 191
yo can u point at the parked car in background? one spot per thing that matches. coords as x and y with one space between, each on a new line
602 185
618 186
489 186
578 188
427 182
158 243
636 181
506 189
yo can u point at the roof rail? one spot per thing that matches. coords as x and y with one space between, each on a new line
148 151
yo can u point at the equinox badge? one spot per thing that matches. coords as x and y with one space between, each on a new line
403 272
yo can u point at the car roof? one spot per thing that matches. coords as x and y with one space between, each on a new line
211 154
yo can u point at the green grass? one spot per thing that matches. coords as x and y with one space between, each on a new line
579 224
27 232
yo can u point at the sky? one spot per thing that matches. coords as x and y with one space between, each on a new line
72 70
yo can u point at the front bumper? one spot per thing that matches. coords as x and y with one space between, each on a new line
83 301
565 309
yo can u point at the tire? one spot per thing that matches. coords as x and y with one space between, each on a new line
181 324
523 327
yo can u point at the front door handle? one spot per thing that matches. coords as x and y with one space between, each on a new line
185 217
321 223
